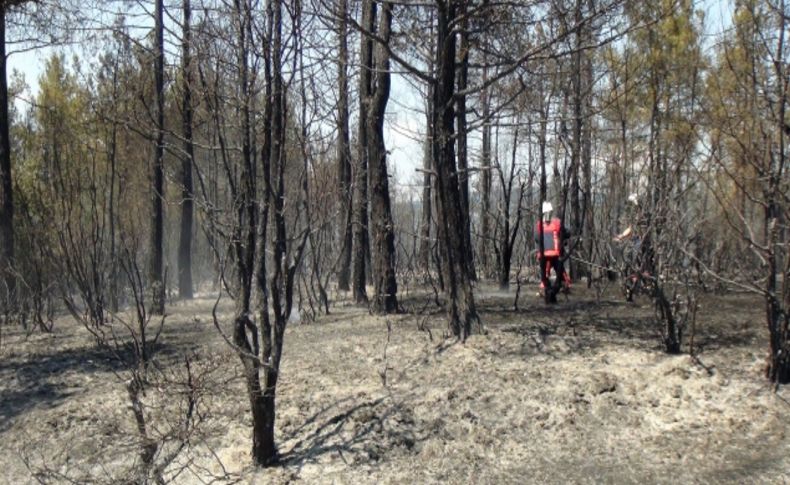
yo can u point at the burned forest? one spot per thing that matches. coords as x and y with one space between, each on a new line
362 241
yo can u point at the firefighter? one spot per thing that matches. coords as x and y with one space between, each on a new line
555 236
636 235
636 246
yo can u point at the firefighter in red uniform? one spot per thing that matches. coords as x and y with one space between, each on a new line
554 237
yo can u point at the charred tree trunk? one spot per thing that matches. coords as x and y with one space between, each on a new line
259 352
778 368
461 305
485 182
185 286
576 143
344 150
427 183
382 227
158 179
426 245
778 317
507 235
6 185
262 401
361 178
461 136
588 239
112 155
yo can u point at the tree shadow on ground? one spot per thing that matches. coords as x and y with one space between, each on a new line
363 433
47 379
593 322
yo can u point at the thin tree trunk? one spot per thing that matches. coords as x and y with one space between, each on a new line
588 230
158 219
361 177
427 183
485 181
463 157
344 150
185 286
111 216
428 194
576 143
507 236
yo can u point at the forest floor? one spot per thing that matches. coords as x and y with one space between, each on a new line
578 392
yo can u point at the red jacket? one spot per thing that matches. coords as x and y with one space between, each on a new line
553 235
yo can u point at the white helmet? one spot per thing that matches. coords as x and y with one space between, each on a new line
633 198
547 207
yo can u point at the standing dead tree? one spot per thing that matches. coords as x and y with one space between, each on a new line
374 99
344 148
507 223
361 242
185 285
265 258
158 176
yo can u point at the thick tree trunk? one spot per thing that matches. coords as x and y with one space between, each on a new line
6 186
185 286
344 150
778 316
461 307
264 448
361 245
778 369
382 227
158 180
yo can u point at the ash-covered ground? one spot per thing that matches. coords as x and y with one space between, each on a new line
579 392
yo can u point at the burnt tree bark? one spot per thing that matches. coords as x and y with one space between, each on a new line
507 234
777 306
185 286
382 233
6 186
427 183
158 176
588 229
426 244
461 306
461 137
250 346
485 184
344 150
576 140
361 244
